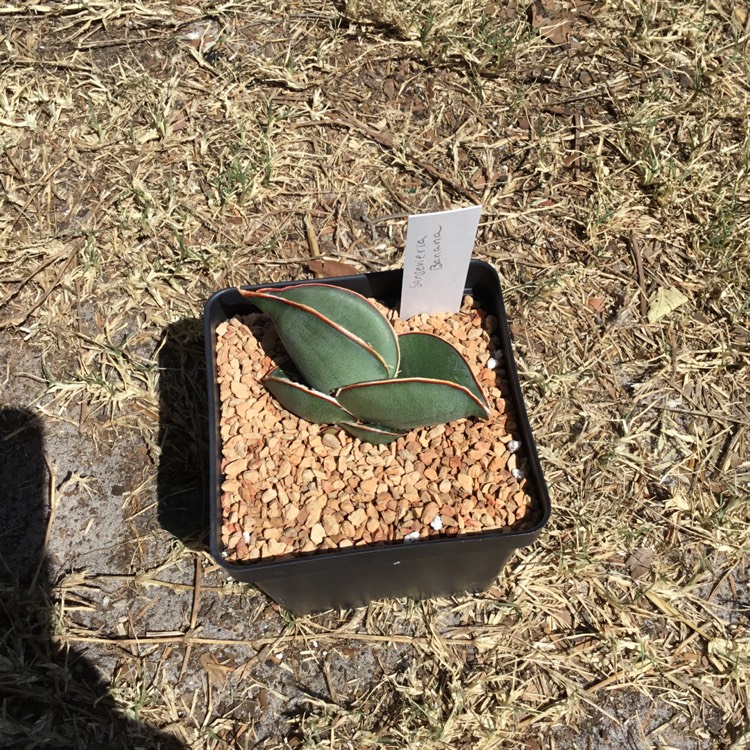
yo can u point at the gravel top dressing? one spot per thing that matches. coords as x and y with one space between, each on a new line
291 487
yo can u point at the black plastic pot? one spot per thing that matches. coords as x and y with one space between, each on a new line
355 576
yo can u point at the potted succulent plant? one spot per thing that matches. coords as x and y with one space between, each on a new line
331 452
350 368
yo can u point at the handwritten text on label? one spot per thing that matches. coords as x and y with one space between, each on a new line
438 251
423 248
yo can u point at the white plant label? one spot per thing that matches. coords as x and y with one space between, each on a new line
436 260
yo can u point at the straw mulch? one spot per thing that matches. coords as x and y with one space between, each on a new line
151 153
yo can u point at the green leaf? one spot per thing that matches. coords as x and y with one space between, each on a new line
369 433
426 356
353 313
406 403
327 355
303 401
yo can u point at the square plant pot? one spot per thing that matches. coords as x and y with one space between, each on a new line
354 576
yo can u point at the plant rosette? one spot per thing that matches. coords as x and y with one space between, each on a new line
349 367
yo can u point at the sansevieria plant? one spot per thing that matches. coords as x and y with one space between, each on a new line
349 367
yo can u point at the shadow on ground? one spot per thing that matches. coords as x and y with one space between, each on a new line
50 696
183 434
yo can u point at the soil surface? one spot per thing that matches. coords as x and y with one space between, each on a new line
294 487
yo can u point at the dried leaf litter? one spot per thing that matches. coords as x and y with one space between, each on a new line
290 487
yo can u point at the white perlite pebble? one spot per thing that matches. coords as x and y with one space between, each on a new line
437 523
246 536
513 446
411 537
517 474
491 363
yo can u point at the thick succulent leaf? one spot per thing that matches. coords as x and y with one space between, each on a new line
327 355
406 403
303 401
369 433
426 356
353 313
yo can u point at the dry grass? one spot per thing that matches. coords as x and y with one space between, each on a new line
151 153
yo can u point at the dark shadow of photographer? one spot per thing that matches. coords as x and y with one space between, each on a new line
50 696
182 483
